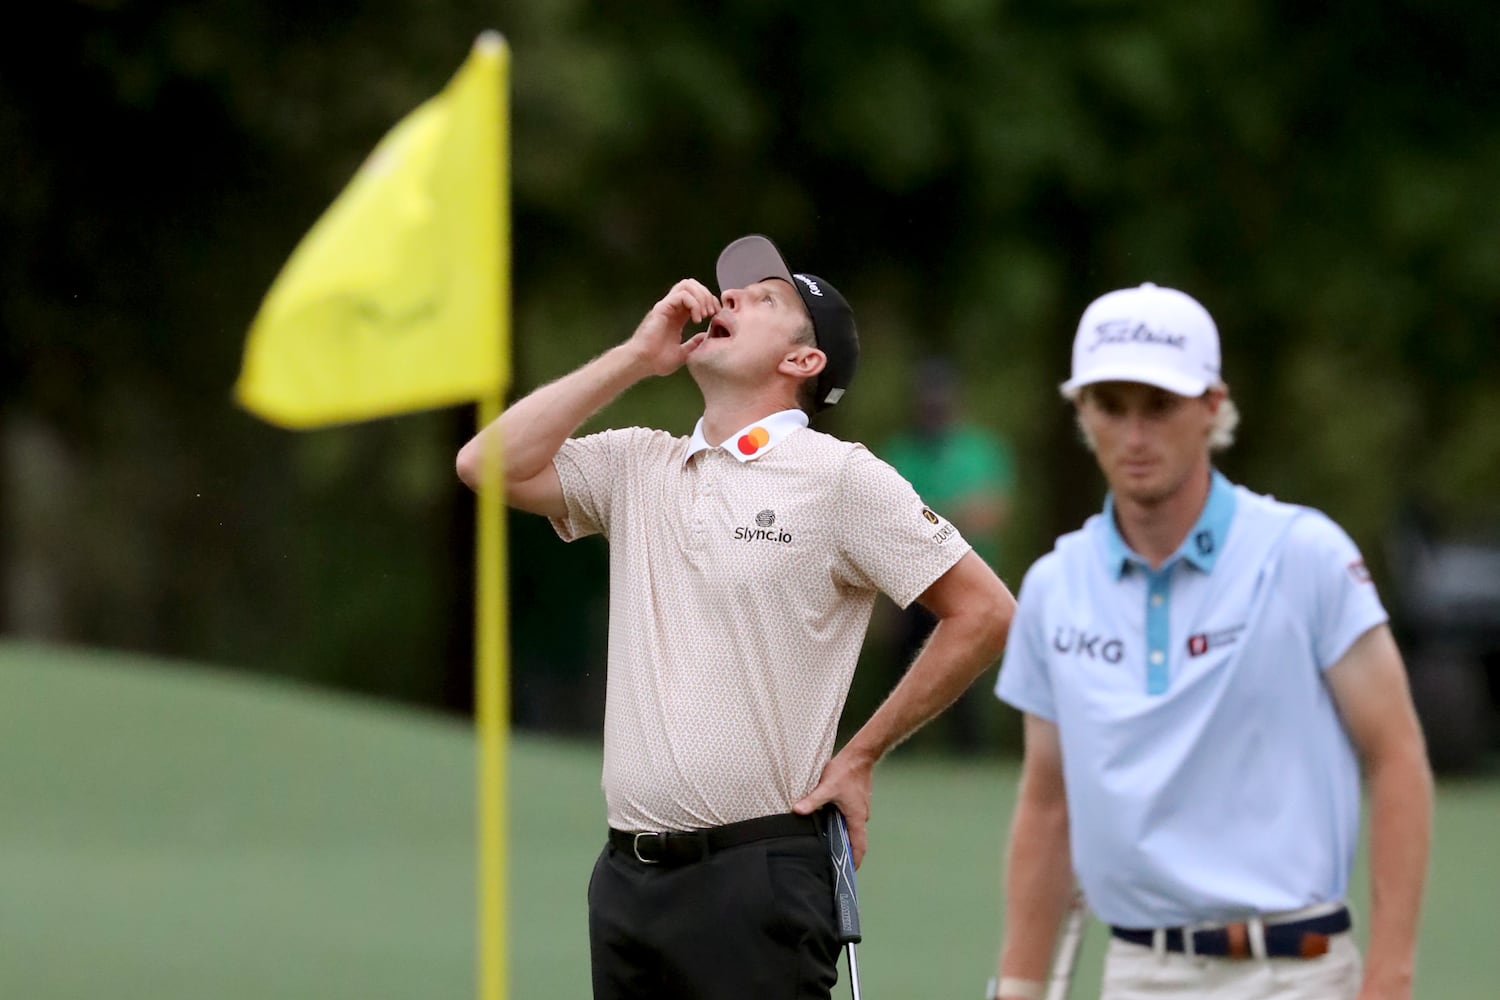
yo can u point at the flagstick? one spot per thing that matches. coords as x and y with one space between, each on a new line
492 711
492 673
330 313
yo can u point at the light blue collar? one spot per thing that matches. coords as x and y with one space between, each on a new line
1200 548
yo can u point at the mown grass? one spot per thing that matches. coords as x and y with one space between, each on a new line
182 833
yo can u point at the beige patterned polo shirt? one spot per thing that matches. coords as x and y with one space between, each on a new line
742 580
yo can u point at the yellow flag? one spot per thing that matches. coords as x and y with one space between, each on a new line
392 301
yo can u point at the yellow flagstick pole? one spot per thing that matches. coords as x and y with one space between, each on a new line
492 674
492 709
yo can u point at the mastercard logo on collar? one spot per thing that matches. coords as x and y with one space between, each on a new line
752 441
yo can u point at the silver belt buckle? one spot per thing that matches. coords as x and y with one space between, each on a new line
635 845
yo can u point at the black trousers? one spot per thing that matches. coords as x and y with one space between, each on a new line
754 921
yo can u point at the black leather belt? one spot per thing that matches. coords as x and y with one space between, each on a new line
1294 939
682 847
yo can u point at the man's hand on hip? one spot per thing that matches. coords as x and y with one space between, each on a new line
845 782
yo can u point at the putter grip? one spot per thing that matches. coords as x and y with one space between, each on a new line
845 900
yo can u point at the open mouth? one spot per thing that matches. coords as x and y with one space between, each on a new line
717 329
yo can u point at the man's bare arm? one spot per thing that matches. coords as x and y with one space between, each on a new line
1038 869
1369 687
974 610
523 440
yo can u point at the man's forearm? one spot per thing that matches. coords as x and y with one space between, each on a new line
958 651
1400 836
1038 886
535 427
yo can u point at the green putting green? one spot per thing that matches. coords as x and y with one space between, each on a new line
171 833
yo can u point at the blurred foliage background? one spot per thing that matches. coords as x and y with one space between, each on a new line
1325 178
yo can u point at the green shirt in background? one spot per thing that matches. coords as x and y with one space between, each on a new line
955 465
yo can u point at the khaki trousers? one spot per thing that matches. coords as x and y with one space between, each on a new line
1135 972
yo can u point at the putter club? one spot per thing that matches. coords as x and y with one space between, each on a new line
845 900
1068 947
1065 960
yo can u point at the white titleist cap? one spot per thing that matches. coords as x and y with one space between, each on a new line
1158 336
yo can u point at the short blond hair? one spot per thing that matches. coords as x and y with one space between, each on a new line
1220 436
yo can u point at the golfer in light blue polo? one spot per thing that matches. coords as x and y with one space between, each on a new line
1205 674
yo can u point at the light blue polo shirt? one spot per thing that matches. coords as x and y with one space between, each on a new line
1208 775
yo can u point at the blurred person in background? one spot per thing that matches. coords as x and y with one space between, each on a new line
1205 674
967 472
745 559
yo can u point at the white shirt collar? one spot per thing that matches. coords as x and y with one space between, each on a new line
753 440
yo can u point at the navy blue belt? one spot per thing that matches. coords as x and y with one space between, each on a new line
1294 939
677 848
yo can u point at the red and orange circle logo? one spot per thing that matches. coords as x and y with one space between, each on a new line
753 441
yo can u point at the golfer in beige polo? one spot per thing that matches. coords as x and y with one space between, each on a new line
744 563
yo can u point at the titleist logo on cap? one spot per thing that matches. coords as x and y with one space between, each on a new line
1129 331
812 286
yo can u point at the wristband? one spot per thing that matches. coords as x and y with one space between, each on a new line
1011 988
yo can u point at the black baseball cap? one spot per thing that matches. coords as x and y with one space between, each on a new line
755 258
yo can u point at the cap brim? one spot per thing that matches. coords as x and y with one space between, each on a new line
1175 382
750 259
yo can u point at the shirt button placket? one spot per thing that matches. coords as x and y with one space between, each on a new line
703 491
1158 632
